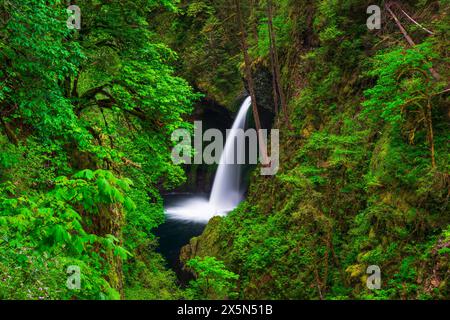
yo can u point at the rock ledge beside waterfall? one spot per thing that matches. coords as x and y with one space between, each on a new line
207 244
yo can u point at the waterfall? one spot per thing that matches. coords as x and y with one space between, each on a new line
226 193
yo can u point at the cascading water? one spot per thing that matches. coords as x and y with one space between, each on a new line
226 193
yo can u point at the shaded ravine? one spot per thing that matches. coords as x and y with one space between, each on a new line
187 214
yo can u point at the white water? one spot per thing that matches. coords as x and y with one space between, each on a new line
226 193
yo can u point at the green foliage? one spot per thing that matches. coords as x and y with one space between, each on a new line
36 62
86 119
148 278
213 280
203 33
403 81
45 233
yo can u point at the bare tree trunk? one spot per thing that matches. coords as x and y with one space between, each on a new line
276 64
430 133
254 20
251 86
318 284
9 132
407 37
275 92
272 65
411 19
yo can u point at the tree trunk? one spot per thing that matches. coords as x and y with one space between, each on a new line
254 20
274 80
409 39
276 64
248 75
430 133
275 92
9 132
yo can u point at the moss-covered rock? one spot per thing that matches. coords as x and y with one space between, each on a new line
206 244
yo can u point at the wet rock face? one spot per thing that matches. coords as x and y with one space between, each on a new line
263 87
262 79
213 115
